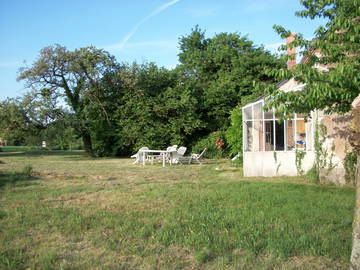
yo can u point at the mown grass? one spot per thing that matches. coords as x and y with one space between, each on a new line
81 213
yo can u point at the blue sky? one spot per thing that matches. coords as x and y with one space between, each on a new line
137 30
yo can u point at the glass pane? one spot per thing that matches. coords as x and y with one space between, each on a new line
258 136
268 115
248 113
269 135
258 111
248 136
279 136
300 135
290 131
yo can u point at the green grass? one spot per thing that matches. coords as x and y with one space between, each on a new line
81 213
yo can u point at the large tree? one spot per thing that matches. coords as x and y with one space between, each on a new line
34 118
74 75
157 109
331 73
221 71
13 121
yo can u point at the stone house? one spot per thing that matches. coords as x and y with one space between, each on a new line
272 147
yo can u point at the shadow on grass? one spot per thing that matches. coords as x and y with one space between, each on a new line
16 178
34 153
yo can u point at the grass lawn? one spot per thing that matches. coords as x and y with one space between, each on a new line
81 213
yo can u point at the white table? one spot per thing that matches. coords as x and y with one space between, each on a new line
163 152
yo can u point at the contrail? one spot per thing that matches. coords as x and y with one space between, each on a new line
152 14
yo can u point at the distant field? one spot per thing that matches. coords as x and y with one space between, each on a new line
75 212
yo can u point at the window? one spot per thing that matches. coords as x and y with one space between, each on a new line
279 136
289 134
269 136
264 131
300 135
258 136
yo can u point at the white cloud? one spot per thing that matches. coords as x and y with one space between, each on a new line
143 20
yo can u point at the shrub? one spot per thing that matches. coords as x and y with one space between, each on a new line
350 167
313 175
203 255
213 144
233 134
27 171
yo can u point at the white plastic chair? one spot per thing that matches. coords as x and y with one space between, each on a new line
138 156
192 157
178 155
197 157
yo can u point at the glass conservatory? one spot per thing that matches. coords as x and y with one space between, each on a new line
264 133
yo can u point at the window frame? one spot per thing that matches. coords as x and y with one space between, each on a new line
308 143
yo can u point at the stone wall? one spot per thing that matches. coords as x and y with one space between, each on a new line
337 144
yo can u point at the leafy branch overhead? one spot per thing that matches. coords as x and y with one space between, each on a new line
330 64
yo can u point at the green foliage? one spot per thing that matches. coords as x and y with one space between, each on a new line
13 121
209 142
339 45
157 110
323 159
27 170
349 163
33 119
299 157
222 70
76 75
320 153
278 165
115 109
234 134
313 175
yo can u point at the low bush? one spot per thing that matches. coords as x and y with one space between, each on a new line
313 175
350 167
27 171
215 144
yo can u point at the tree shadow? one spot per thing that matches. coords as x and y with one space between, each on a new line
16 179
35 153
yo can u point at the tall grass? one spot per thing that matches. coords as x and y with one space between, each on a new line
183 217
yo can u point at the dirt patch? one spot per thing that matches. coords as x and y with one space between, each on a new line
68 176
310 262
53 175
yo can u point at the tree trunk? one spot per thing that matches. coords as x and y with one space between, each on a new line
87 143
355 141
355 254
